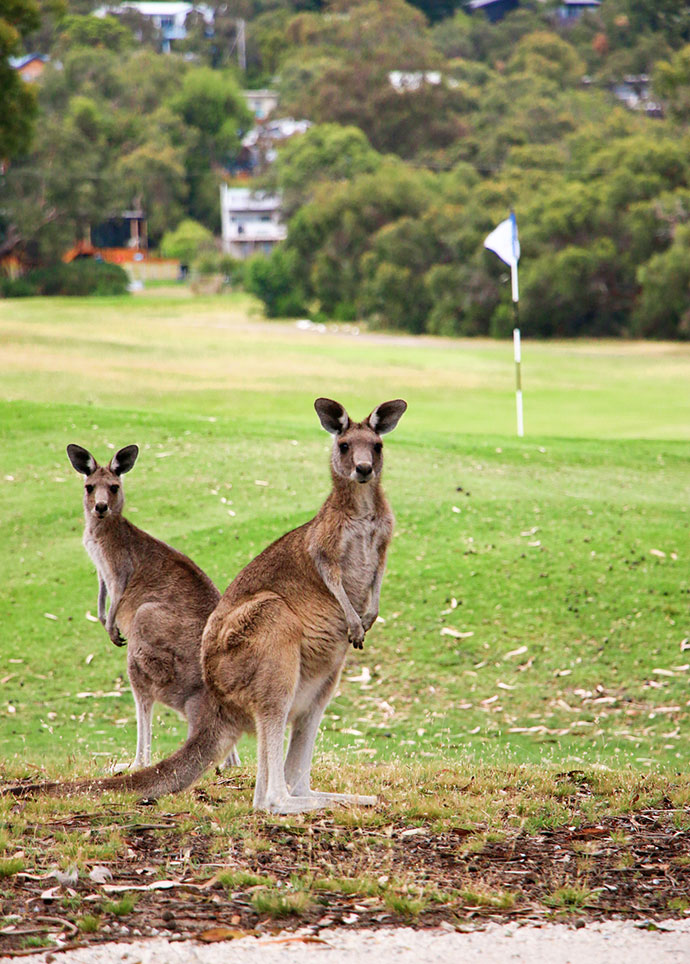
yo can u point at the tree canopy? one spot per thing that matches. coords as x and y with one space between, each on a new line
428 125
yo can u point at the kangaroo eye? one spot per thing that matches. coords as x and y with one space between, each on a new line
89 488
343 447
114 488
378 446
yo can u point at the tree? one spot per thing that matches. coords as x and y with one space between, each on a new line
89 31
274 280
663 307
424 116
151 178
18 102
567 293
212 108
186 241
671 82
545 54
326 152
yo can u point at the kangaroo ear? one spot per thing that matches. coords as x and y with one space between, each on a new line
124 460
386 416
332 415
81 460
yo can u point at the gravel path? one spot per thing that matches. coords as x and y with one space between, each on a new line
610 942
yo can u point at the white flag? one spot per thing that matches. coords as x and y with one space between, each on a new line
503 241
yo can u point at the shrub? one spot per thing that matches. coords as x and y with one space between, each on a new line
17 288
273 279
186 242
82 277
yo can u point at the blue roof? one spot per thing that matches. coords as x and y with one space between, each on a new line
18 62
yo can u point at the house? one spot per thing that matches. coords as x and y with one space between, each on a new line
573 9
634 91
259 144
493 9
168 16
30 67
251 221
261 102
404 80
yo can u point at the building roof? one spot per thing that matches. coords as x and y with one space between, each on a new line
244 199
17 63
478 4
157 8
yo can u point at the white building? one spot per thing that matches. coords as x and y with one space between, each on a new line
261 102
259 144
168 16
251 221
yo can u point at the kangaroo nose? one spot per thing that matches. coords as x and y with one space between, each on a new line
363 469
101 508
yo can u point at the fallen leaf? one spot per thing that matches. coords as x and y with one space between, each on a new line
658 553
302 939
515 652
53 893
447 631
215 934
50 616
99 874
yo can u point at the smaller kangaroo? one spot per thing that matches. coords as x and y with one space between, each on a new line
159 599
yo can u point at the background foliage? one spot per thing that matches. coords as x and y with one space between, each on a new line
429 125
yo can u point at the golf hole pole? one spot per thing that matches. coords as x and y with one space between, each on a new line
517 351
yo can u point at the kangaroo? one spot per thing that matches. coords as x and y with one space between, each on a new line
274 646
159 598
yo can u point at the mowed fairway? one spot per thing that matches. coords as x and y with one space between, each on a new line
536 605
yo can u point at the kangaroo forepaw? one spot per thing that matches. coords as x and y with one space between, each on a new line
117 638
355 634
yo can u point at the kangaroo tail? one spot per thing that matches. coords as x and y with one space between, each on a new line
175 773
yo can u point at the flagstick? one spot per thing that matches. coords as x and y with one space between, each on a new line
517 352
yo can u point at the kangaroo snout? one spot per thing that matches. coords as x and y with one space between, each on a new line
100 509
364 471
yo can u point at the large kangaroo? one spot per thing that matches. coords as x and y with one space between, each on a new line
159 599
274 647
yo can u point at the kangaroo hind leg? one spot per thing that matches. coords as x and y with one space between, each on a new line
300 752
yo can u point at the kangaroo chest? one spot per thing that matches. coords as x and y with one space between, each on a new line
101 560
361 541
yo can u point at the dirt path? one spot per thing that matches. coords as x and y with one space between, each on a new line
609 942
166 885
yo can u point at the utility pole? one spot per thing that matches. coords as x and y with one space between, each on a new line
241 45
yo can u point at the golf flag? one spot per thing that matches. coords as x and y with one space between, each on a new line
503 241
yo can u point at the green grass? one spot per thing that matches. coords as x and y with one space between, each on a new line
536 599
276 903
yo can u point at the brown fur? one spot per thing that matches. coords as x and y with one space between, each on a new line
159 598
274 647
